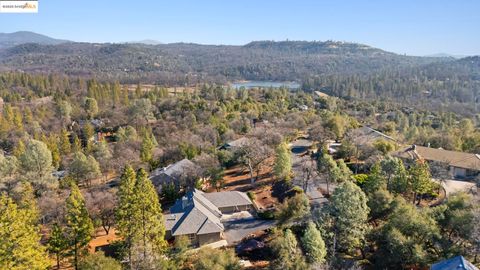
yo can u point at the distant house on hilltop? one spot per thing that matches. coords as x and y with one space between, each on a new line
459 164
197 215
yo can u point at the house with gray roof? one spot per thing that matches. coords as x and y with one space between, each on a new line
198 215
367 135
175 173
235 144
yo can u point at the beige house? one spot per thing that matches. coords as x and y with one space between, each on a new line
460 165
198 215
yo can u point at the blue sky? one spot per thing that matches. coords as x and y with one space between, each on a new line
415 27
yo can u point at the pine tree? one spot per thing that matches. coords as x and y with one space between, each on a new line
77 145
150 236
350 212
421 180
126 211
65 146
146 150
313 244
79 228
283 162
88 133
20 246
287 254
57 243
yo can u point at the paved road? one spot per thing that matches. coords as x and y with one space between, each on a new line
236 230
299 157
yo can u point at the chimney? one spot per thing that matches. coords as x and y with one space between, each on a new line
414 147
428 145
185 202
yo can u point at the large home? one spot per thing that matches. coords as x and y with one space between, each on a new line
458 164
198 215
175 173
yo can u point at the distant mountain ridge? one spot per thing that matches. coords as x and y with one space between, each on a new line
180 63
23 37
146 42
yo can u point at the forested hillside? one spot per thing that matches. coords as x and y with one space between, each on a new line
182 63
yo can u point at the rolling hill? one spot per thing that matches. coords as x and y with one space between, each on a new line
22 37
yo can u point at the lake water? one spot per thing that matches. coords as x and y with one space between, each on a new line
265 84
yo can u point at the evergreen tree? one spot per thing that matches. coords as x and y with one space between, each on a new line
421 180
313 244
88 133
20 246
57 243
350 212
283 162
65 146
286 252
91 107
79 226
150 232
77 144
126 211
146 150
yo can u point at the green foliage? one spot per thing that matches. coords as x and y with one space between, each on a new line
91 107
360 179
189 151
139 217
384 146
20 246
126 210
146 149
313 244
350 212
57 243
83 169
283 162
149 227
421 180
98 261
286 253
409 234
216 259
36 165
294 208
79 227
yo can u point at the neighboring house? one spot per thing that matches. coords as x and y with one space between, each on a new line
458 164
455 263
198 215
174 173
367 135
235 144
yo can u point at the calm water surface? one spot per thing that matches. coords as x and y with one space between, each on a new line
273 84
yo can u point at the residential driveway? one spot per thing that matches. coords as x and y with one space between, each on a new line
299 157
236 230
453 186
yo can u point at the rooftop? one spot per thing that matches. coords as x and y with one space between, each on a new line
455 263
198 212
453 158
